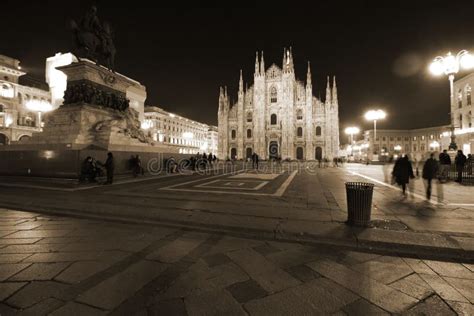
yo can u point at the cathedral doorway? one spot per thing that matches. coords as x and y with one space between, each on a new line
3 139
319 153
299 153
233 153
248 153
273 150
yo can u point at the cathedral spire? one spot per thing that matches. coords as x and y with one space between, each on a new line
283 63
308 75
334 91
256 65
241 82
328 93
262 66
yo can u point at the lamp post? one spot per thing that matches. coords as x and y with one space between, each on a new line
450 65
351 131
374 115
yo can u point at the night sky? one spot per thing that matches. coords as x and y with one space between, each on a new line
379 51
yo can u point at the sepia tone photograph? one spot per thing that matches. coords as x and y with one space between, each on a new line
236 159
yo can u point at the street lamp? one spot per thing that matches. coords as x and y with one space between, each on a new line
351 131
450 65
374 115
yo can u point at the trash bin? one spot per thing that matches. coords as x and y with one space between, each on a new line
359 202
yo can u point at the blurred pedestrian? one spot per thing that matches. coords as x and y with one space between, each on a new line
444 165
430 170
403 172
460 161
109 168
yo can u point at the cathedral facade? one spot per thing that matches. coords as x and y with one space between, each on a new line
278 117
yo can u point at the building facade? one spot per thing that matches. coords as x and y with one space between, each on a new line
278 116
417 143
188 136
21 106
461 111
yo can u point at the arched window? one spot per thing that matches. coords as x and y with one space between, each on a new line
318 130
273 119
299 132
299 114
249 117
273 95
2 108
468 95
233 134
249 133
20 98
460 98
6 91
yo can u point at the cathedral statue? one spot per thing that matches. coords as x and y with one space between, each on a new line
94 40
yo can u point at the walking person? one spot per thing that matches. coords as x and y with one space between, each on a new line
444 165
403 172
109 168
138 166
460 161
430 170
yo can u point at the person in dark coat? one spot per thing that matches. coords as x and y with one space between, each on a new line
460 161
444 165
403 172
109 167
88 170
430 170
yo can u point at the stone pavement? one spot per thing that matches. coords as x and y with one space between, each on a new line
64 266
305 203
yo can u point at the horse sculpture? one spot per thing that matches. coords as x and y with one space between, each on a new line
95 43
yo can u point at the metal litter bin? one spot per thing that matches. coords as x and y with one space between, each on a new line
359 202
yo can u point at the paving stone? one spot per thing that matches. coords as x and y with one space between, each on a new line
77 256
5 233
177 249
111 292
18 241
8 288
450 269
466 243
469 266
218 302
36 248
359 257
465 287
228 243
246 291
40 271
9 269
73 308
413 289
286 302
38 233
443 289
43 308
130 246
462 309
303 273
418 266
36 292
383 272
290 258
80 271
360 284
216 259
12 258
433 306
59 240
7 310
395 302
266 249
27 225
269 276
363 308
175 307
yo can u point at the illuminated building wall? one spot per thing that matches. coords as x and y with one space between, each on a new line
461 111
20 105
189 136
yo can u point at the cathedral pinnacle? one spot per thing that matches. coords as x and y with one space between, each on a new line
256 65
308 75
241 82
262 65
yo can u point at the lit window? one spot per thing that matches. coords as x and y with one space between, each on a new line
423 137
249 117
6 91
460 98
468 95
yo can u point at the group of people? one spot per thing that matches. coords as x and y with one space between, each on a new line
432 169
92 168
202 160
136 166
